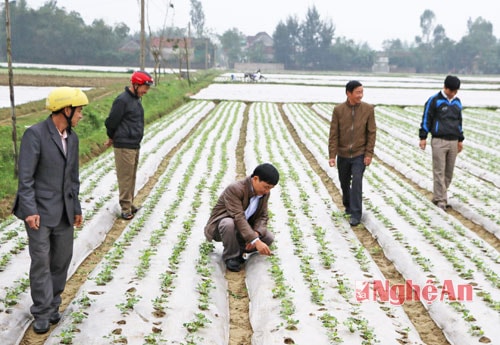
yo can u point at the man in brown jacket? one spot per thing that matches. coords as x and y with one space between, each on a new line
239 219
351 144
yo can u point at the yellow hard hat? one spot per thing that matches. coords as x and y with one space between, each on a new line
62 97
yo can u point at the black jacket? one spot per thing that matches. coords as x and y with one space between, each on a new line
125 122
442 118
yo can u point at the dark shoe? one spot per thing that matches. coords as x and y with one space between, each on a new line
354 221
442 205
41 326
55 317
127 216
233 265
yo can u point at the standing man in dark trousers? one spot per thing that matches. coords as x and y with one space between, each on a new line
443 119
351 144
47 200
239 219
125 129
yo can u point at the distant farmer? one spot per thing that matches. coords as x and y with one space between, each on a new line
239 219
351 144
443 119
125 129
257 75
47 200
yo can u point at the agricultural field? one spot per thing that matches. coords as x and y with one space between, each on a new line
409 274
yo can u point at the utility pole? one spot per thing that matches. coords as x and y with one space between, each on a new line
143 38
206 53
11 84
187 52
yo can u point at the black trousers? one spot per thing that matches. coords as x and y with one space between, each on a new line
351 172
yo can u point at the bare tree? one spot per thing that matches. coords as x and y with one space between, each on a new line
427 24
143 39
197 17
157 49
187 59
11 85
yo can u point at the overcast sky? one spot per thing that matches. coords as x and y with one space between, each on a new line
371 21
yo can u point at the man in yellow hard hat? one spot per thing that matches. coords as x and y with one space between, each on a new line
47 200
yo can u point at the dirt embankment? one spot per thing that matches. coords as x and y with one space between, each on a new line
55 80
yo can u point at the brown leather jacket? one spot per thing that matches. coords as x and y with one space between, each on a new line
232 203
352 130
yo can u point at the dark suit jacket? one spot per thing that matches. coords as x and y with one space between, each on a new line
232 203
48 179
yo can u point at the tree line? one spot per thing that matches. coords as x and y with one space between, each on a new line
478 52
311 44
50 35
53 36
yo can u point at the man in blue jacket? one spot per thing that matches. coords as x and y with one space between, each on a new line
125 129
443 119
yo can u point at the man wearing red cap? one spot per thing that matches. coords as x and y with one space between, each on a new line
125 129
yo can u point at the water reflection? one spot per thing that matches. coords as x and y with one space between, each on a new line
23 94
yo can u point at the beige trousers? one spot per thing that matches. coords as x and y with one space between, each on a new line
444 154
126 162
